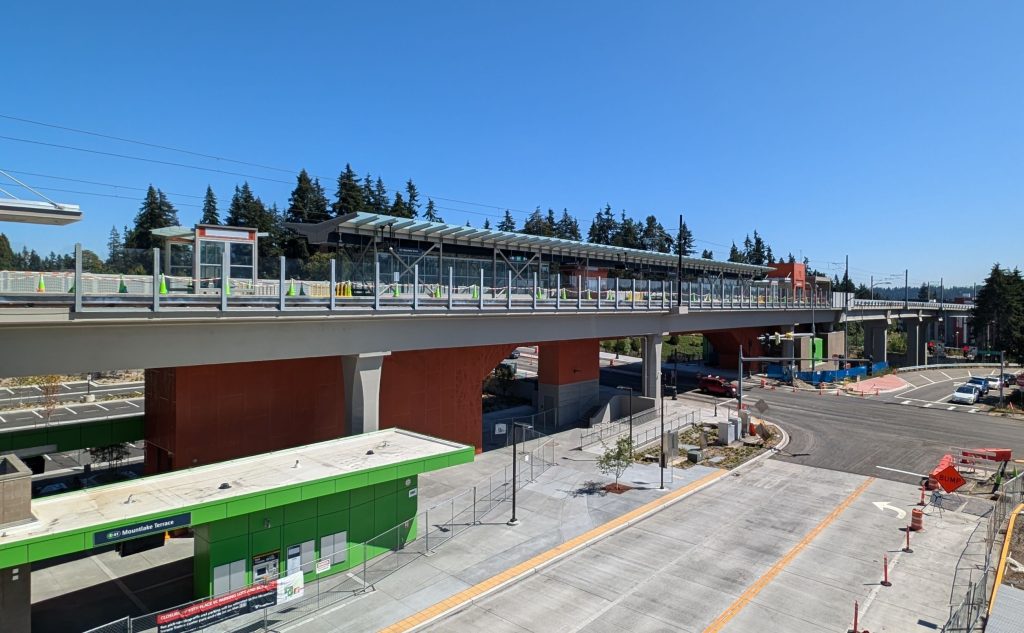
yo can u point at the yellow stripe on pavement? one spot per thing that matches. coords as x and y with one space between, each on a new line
783 562
515 573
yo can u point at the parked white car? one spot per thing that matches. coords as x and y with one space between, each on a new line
965 394
994 382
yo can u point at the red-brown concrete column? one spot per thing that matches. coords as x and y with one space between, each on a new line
210 413
438 391
569 378
727 344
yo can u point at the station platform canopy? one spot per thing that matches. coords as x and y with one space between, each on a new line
372 224
78 521
34 212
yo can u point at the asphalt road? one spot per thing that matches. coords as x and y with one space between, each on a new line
857 435
19 419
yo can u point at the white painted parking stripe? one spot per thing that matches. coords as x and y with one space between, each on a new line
68 410
2 419
133 404
905 402
102 407
927 405
950 408
928 379
948 377
37 414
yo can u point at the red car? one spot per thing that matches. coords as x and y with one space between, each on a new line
716 385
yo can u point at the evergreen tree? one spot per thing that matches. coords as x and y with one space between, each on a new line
654 237
735 255
628 234
399 208
381 200
349 195
507 224
924 292
537 224
156 212
604 227
6 254
487 224
369 194
862 292
706 254
790 259
998 316
210 215
115 250
308 202
758 251
748 249
431 214
685 238
412 199
567 227
769 257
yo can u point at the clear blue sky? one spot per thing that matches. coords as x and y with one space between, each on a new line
889 131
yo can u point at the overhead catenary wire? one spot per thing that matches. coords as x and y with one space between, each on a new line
211 157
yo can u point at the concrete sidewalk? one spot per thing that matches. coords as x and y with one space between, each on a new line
565 502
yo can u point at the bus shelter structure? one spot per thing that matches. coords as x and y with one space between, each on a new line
254 519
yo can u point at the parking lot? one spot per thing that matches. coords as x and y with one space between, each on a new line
933 388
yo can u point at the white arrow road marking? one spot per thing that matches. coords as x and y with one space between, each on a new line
884 505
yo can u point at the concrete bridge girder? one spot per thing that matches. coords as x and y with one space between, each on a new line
38 348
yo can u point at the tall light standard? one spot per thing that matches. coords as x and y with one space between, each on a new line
630 389
662 463
515 458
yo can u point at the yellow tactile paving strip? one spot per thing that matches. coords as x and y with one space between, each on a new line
783 562
467 596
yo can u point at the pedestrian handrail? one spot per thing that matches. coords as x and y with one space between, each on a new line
615 428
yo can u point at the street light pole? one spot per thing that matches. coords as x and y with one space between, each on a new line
515 458
662 469
1002 370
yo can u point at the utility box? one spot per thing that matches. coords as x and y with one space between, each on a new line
694 455
726 433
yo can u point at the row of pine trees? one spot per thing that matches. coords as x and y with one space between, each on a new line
309 202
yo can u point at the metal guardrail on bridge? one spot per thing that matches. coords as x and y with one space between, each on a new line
132 295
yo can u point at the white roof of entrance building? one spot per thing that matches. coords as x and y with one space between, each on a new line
76 511
415 229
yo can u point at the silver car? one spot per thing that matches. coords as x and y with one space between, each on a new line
965 394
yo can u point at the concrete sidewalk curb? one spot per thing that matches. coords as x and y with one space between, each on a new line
451 606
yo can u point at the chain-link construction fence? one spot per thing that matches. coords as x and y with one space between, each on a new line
969 614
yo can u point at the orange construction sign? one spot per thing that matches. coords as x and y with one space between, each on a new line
948 478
